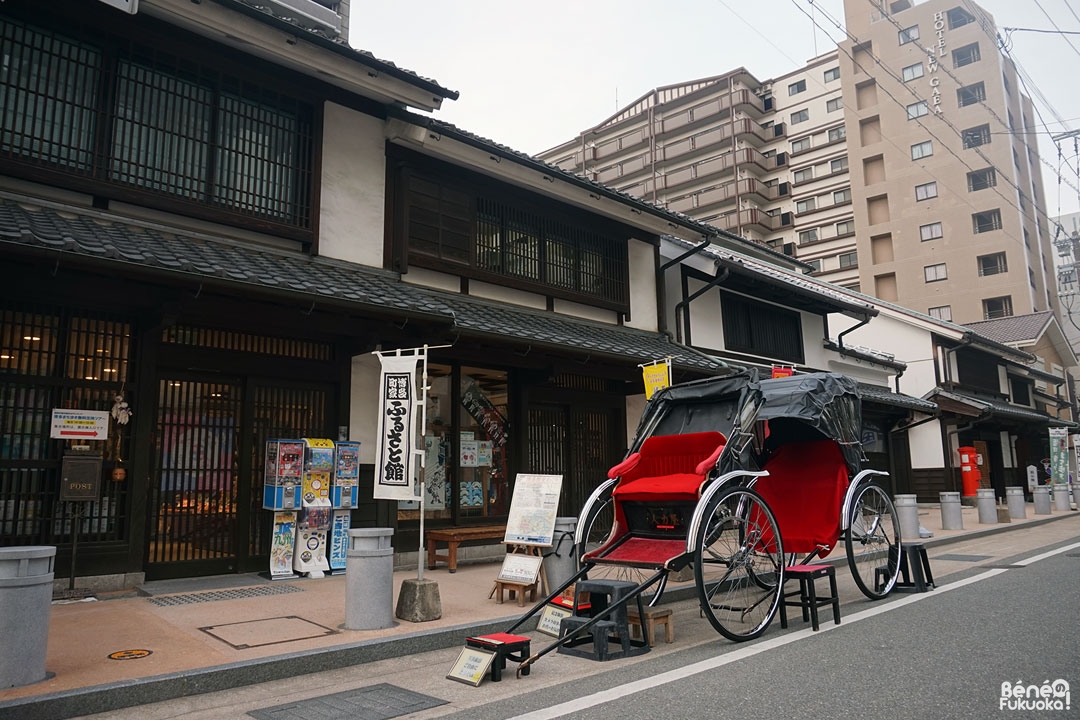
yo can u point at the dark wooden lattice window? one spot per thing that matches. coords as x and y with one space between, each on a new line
105 112
760 329
440 220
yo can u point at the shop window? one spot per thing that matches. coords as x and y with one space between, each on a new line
483 473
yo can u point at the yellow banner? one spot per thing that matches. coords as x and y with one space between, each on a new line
657 377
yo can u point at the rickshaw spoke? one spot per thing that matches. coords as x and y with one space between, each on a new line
873 541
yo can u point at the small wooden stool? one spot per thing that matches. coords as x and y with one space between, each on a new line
653 617
807 593
517 590
506 647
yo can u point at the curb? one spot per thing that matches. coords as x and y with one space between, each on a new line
142 691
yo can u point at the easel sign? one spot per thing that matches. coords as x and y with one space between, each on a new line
551 619
470 666
520 569
533 509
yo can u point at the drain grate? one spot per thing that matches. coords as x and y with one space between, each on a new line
236 594
377 702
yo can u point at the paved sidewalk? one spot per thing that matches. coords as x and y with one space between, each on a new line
207 634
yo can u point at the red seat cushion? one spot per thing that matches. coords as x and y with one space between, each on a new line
667 466
805 489
500 638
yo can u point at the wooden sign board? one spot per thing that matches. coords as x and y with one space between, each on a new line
471 666
520 569
533 508
551 619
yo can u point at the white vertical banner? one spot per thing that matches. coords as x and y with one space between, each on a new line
395 459
1076 456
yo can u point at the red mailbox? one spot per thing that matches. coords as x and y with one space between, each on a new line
969 471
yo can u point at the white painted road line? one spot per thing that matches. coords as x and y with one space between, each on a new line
621 691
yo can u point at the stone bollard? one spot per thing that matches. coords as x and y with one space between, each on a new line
369 579
952 518
1041 493
1014 497
987 504
1076 493
907 509
26 576
1061 496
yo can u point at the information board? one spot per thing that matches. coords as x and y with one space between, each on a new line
520 569
533 509
551 619
470 666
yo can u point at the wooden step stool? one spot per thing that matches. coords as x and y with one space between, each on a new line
653 617
809 601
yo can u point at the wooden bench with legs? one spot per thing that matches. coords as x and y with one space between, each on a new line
453 537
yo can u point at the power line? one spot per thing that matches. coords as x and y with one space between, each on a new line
1039 5
1038 30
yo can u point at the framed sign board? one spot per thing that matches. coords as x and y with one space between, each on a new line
533 509
471 665
520 569
551 619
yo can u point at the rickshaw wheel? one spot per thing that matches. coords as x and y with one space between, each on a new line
873 541
598 520
738 564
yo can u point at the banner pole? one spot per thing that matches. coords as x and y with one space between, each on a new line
422 449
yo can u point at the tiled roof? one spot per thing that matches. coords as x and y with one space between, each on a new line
340 46
1000 408
885 396
1015 329
779 275
142 248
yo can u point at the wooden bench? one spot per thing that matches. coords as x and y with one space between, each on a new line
454 537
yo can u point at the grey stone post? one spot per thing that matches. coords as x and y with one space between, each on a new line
369 579
907 510
987 504
1061 496
1041 493
1014 497
26 576
952 517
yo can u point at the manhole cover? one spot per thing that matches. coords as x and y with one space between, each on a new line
235 594
377 702
271 631
130 654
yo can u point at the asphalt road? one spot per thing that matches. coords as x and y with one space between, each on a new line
940 654
943 654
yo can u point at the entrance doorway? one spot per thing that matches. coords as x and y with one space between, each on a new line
575 442
205 498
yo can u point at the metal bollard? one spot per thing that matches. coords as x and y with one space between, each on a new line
1014 497
907 509
26 576
952 518
369 579
1061 496
987 504
1041 493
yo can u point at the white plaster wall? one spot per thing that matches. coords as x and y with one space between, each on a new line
364 404
813 332
908 343
1008 452
507 295
353 183
432 279
925 445
706 326
642 286
588 312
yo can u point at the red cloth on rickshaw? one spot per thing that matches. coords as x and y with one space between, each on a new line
805 490
668 467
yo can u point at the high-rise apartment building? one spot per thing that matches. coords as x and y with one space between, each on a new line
945 173
898 164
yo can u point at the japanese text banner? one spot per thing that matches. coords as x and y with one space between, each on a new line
394 458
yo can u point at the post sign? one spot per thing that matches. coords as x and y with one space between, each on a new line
1059 455
551 620
80 478
470 666
79 424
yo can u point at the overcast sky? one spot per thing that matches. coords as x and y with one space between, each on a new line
535 74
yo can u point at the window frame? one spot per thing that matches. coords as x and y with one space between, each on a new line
845 230
808 236
803 144
808 205
1005 302
975 136
922 146
834 104
926 232
837 133
908 34
844 165
986 221
799 116
832 74
904 72
918 109
990 174
842 196
925 194
938 272
799 86
758 328
848 260
974 54
972 94
942 310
